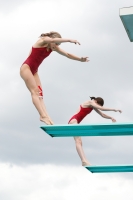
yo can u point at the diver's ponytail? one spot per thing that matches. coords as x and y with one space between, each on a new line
51 34
45 34
99 100
92 98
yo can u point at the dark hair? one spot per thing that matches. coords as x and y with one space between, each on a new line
99 100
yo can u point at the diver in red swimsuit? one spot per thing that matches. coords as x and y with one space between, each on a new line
94 104
47 43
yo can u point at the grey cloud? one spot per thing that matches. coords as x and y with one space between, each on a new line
9 6
66 84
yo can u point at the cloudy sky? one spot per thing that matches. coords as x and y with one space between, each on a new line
32 164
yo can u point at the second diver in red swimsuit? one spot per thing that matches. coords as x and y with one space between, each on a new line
47 43
93 104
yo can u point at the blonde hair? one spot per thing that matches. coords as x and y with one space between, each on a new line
51 34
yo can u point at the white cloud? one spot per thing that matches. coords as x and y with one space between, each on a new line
96 24
60 183
66 83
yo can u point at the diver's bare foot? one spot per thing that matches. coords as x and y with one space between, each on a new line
85 163
45 120
51 122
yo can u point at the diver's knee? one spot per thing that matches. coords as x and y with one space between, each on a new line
40 92
78 140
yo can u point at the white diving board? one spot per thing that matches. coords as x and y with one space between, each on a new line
110 169
126 15
70 130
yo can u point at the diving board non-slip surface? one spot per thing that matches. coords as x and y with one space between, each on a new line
110 169
70 130
126 15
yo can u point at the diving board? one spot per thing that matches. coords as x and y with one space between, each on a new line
70 130
126 15
110 169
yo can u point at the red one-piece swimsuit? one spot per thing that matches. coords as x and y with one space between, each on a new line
81 114
36 57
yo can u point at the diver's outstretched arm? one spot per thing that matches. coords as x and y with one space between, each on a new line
104 115
70 56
